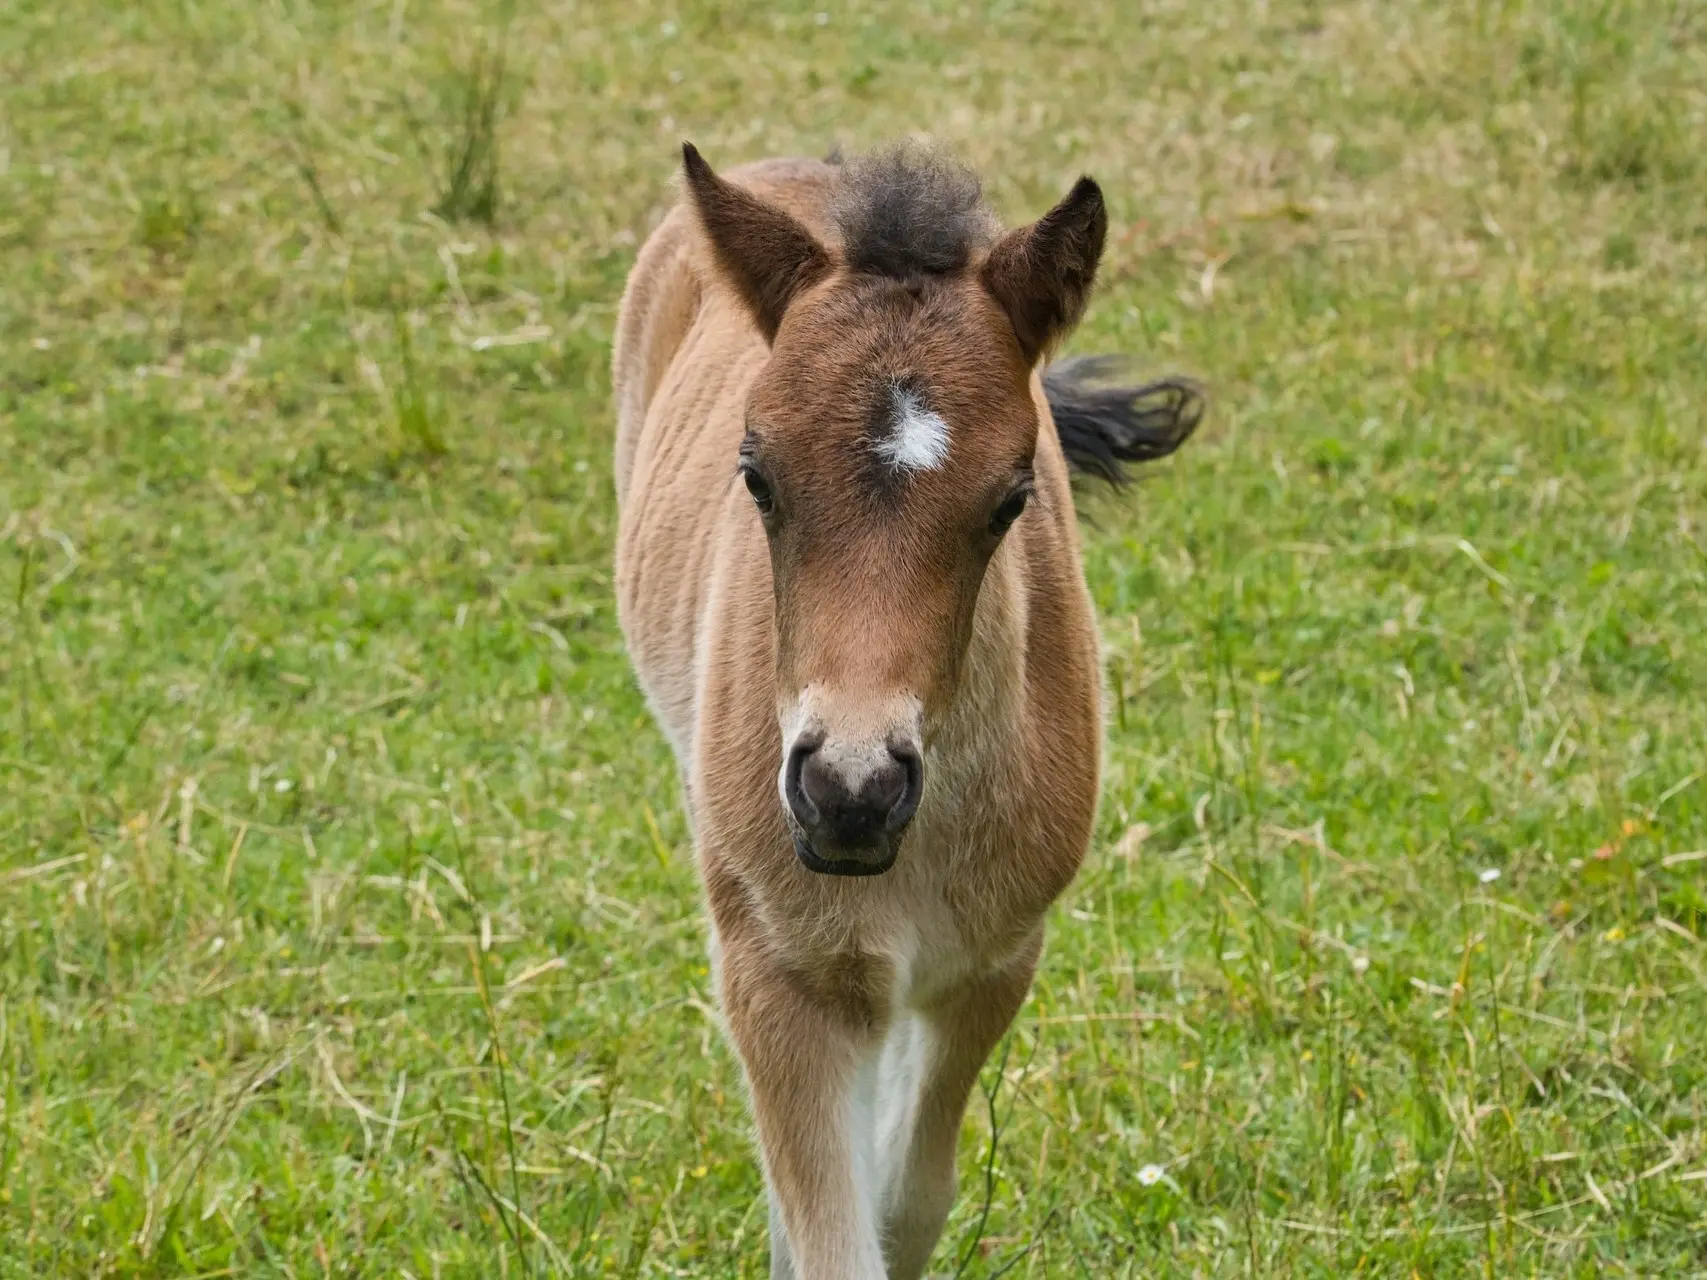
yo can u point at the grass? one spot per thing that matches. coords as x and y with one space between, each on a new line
347 922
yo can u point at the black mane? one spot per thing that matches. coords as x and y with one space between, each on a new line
907 211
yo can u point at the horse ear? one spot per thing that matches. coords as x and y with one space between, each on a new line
1041 274
768 256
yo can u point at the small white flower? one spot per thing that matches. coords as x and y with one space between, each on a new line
1489 875
1359 964
1150 1175
282 785
822 19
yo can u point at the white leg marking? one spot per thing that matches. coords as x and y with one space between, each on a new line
782 1256
900 1075
862 1137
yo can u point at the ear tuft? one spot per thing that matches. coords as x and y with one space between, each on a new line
1042 274
767 256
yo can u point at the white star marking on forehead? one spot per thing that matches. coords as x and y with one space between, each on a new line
918 437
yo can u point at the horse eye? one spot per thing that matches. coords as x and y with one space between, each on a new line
763 499
1008 512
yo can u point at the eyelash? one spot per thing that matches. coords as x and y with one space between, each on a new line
1000 519
759 488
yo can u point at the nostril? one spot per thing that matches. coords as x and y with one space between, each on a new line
887 787
796 783
912 770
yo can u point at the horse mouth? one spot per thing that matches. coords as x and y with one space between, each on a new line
813 861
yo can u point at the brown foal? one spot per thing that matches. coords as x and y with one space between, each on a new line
849 577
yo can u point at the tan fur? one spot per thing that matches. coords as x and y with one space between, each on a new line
816 971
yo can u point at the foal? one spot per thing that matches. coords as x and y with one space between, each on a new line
849 578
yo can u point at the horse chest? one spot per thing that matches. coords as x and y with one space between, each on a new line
922 943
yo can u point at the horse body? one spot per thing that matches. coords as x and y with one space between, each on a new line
883 699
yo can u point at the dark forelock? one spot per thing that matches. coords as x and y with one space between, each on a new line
910 210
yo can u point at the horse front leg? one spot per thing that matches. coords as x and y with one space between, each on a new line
959 1031
802 1057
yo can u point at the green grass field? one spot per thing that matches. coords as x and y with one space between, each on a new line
348 923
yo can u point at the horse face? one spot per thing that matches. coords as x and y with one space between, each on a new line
888 453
